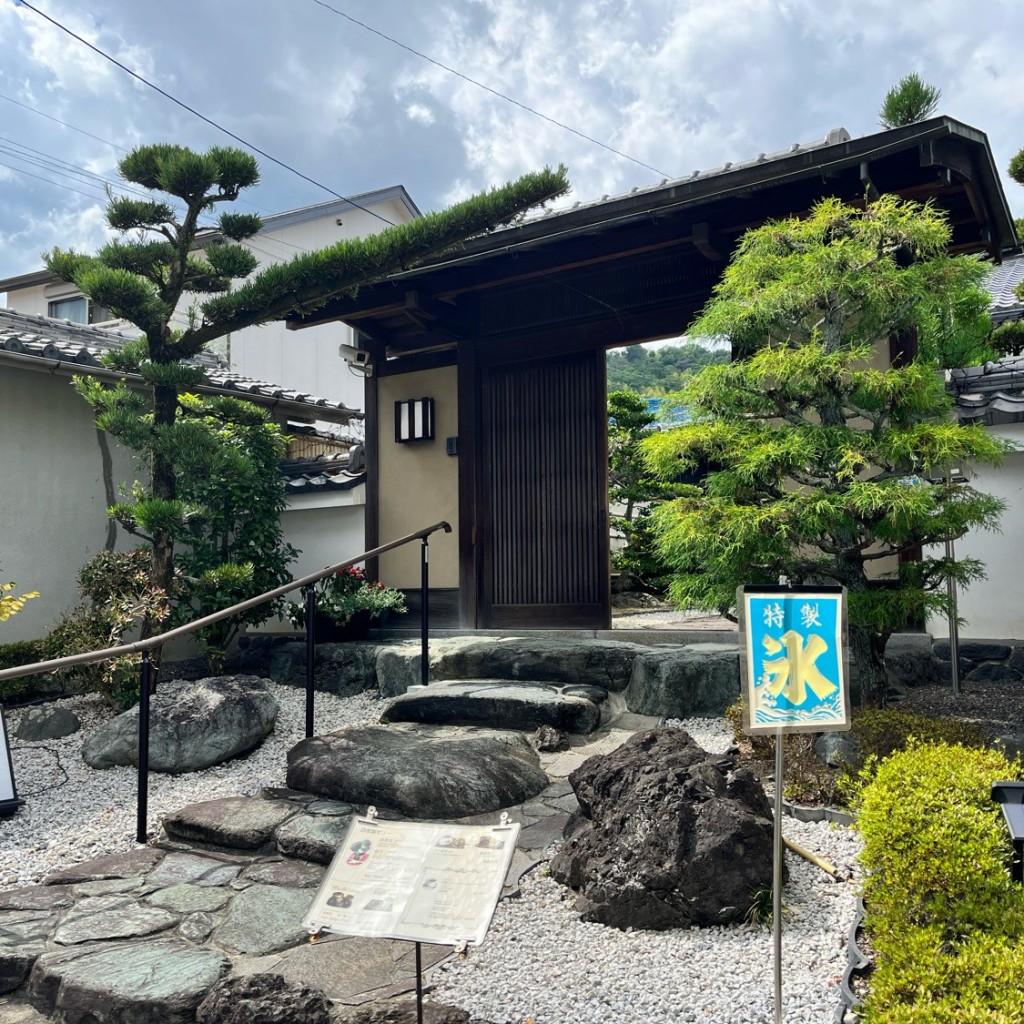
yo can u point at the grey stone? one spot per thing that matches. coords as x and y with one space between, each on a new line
193 725
289 873
125 983
114 865
23 936
672 836
518 705
549 739
197 927
103 918
836 749
108 886
189 899
541 834
685 682
975 650
598 694
193 867
1016 661
909 667
312 838
264 919
47 724
398 667
329 808
989 672
263 999
343 669
240 822
37 897
417 774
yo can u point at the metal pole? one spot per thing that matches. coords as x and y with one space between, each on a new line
419 985
310 655
142 804
954 629
777 879
424 610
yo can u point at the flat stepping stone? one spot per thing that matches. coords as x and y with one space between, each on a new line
193 867
114 865
418 774
264 919
101 918
292 874
237 822
125 983
311 837
190 899
500 704
23 935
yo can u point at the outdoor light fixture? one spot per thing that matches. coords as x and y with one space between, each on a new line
414 420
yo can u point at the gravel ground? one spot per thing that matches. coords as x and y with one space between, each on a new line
540 962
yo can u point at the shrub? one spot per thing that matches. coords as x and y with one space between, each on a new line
20 652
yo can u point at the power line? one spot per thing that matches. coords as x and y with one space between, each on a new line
81 131
196 113
487 88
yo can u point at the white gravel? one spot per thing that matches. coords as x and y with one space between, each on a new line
540 962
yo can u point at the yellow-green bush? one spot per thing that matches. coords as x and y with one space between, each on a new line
944 917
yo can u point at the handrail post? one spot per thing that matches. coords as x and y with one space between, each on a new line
310 655
142 803
424 610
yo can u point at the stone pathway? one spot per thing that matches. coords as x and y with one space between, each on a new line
139 937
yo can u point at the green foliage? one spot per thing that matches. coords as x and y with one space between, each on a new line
821 460
11 604
945 919
12 655
912 99
1008 338
659 371
347 592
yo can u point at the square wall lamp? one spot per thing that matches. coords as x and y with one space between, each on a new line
414 420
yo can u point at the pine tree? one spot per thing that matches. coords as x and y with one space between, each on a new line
911 99
143 275
823 451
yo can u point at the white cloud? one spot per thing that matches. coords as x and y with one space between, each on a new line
420 113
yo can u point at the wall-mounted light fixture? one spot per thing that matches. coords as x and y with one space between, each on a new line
414 420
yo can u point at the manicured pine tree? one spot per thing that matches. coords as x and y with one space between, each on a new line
823 450
911 99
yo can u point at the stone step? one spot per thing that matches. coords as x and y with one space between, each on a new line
501 704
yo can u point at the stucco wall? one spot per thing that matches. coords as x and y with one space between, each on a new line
57 484
419 482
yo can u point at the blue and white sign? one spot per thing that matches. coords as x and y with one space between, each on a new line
795 673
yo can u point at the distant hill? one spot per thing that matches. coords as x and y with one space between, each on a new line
658 371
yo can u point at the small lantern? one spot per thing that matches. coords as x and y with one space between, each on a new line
414 420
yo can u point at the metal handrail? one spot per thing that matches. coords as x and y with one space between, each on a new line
146 671
151 643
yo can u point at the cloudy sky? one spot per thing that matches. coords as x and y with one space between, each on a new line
671 85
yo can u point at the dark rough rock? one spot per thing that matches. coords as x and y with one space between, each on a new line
598 694
344 669
549 740
263 999
836 749
673 836
240 822
312 837
406 1013
989 672
945 670
193 725
113 865
23 935
289 873
125 983
909 661
198 869
101 918
47 723
506 705
685 682
264 919
419 775
604 663
974 650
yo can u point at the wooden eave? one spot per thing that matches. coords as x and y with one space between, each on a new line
646 262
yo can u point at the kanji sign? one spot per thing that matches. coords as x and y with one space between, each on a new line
795 674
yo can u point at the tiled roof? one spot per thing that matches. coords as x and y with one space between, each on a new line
990 394
323 473
1000 282
82 348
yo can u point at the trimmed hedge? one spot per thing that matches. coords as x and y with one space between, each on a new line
21 652
944 917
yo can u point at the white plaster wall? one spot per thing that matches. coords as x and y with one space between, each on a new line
53 500
993 607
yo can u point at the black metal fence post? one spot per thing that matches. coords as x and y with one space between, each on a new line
424 610
310 655
142 804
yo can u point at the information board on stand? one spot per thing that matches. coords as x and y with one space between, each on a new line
416 881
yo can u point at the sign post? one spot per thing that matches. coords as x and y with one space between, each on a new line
795 676
9 800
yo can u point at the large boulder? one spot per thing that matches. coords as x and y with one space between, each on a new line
263 999
685 682
47 724
344 669
668 835
192 725
421 774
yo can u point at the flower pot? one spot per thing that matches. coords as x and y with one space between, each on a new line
330 632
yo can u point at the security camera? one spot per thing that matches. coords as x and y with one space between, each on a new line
356 357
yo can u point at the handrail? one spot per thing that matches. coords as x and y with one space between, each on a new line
38 667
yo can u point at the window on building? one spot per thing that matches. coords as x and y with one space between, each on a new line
79 310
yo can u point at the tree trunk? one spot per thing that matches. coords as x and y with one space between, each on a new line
867 665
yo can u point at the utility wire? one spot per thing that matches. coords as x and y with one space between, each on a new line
202 117
487 88
81 131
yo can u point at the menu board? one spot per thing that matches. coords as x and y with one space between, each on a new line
415 881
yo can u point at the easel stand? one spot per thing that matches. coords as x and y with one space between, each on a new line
419 984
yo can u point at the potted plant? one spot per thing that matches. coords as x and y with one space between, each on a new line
347 605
